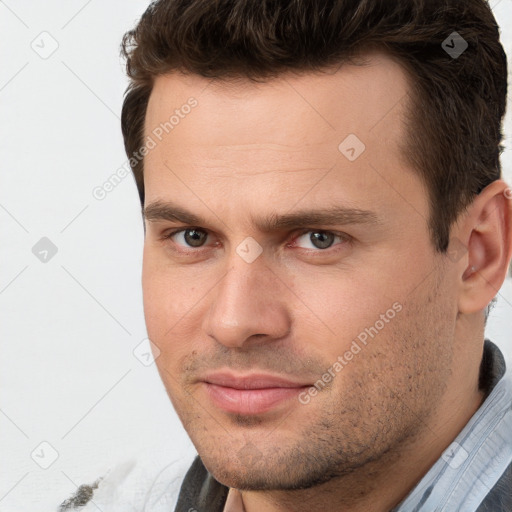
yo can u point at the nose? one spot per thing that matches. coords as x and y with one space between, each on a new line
247 306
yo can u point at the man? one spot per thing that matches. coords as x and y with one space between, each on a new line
325 229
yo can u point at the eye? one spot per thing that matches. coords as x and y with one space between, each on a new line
189 237
317 239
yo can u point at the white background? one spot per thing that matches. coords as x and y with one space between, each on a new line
68 375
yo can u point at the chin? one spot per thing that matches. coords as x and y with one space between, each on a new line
262 473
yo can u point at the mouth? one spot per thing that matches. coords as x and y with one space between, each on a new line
251 394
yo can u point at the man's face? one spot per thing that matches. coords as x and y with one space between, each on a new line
305 259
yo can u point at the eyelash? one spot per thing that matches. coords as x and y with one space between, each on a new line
346 239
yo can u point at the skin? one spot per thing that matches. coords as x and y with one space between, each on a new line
248 152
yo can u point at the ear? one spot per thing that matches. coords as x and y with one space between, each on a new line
487 233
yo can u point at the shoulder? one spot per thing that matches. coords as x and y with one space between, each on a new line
499 498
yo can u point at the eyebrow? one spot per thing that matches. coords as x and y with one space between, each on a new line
333 215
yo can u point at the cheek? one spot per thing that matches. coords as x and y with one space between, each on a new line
164 299
156 294
168 291
342 304
174 305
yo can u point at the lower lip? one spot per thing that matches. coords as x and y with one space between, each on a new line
250 401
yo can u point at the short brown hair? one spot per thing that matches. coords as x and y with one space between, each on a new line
456 106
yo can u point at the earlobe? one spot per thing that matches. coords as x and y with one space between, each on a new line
488 229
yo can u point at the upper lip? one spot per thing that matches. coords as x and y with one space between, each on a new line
251 381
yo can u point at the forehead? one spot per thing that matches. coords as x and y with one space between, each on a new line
356 97
281 135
